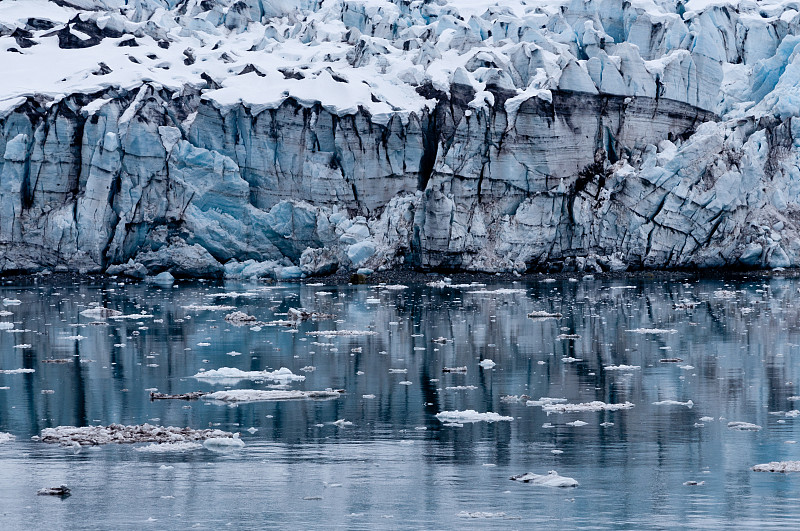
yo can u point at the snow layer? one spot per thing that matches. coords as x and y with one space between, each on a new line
257 138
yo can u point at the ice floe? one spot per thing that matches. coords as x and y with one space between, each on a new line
159 448
688 403
621 367
551 479
743 426
470 415
17 371
257 395
778 466
230 373
586 406
118 433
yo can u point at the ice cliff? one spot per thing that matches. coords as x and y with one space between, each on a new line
289 138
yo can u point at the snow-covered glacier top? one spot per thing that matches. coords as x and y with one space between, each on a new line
391 57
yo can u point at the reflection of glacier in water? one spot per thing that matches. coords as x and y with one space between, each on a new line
374 454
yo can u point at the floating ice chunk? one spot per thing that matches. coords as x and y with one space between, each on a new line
368 397
256 395
62 491
561 337
233 353
487 364
693 483
480 515
74 338
500 291
240 319
142 315
5 313
461 388
778 466
571 360
6 326
23 345
373 301
398 371
470 415
11 302
652 331
17 371
454 369
743 426
405 382
621 367
545 400
587 406
341 423
117 433
158 448
724 294
577 423
100 313
333 333
551 479
793 398
394 287
6 437
536 314
208 308
281 375
224 444
688 403
706 419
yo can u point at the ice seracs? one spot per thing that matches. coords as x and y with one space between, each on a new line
286 140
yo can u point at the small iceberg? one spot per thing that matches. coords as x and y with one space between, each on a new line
224 444
551 479
229 373
470 415
778 466
586 406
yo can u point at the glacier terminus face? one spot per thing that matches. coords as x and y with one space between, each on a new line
268 138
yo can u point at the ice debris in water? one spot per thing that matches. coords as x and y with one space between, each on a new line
621 367
487 364
551 479
61 490
118 433
341 423
743 426
256 395
281 375
652 331
545 400
240 319
208 307
470 415
480 515
332 333
157 448
100 313
688 403
12 302
778 466
586 406
536 314
224 444
17 371
6 437
577 423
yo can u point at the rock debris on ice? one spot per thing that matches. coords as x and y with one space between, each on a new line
255 395
778 466
117 433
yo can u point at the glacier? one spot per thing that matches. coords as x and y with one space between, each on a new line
268 138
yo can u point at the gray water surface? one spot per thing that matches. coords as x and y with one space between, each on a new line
397 465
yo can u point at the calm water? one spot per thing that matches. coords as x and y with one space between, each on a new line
397 466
